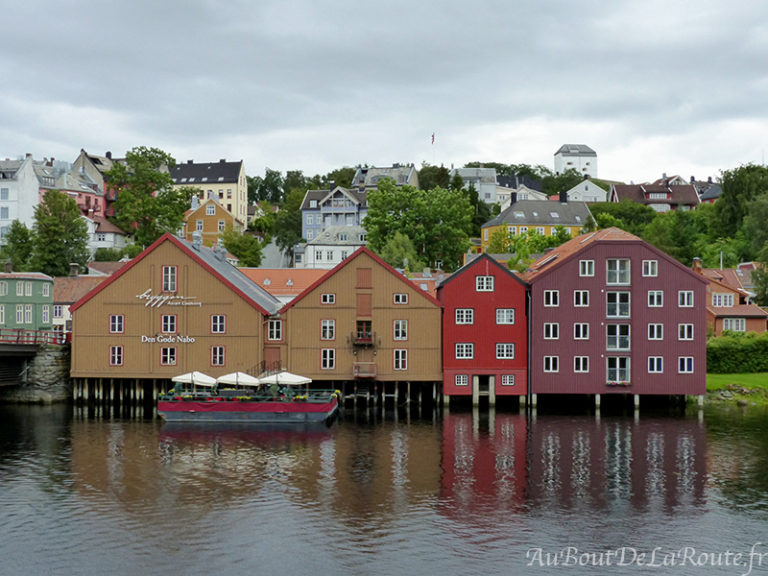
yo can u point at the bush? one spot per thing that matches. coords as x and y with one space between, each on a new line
737 353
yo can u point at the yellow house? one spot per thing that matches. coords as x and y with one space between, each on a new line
210 219
222 181
541 216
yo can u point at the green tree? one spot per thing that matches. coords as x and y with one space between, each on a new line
341 177
19 246
438 222
107 255
60 235
269 188
264 225
288 223
552 184
675 233
741 186
147 205
245 247
399 252
627 215
434 176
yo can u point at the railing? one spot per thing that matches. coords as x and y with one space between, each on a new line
364 338
364 370
22 336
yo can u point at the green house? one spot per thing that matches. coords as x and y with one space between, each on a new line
26 301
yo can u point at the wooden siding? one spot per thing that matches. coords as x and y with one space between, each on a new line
671 279
142 322
302 324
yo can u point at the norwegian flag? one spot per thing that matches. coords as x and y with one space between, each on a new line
433 137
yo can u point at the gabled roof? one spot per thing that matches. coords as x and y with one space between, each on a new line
542 212
355 255
194 174
514 181
682 194
713 192
371 176
739 311
358 196
192 211
69 289
576 150
563 253
104 226
284 281
489 260
105 268
223 270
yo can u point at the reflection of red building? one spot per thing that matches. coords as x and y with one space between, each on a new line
485 340
592 463
484 462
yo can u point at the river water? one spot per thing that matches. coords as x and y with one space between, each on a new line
378 493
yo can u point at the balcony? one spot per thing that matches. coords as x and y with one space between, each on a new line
364 370
364 338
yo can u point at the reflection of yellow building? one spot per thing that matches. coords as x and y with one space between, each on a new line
540 216
223 181
210 219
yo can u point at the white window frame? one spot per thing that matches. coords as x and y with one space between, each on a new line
655 298
461 380
586 268
685 365
168 324
617 271
621 341
400 298
722 299
581 330
618 304
655 331
328 299
581 364
650 268
551 364
551 298
210 209
275 330
116 356
400 359
218 355
484 283
168 356
170 278
464 351
328 359
218 324
618 369
655 364
328 329
505 316
464 316
581 298
116 324
505 351
685 332
685 298
507 379
400 330
551 330
735 324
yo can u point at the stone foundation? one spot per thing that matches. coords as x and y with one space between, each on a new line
46 380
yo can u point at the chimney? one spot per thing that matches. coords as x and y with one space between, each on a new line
697 266
109 154
331 185
693 179
512 198
74 269
8 267
222 160
564 197
197 240
190 162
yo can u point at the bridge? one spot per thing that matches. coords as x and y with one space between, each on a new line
19 346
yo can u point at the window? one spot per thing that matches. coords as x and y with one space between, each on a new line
617 304
27 288
512 230
400 330
4 193
586 267
685 331
484 283
655 298
210 209
199 225
318 255
685 298
222 225
735 324
617 337
101 237
168 356
3 288
28 314
218 324
275 329
685 365
551 298
19 288
505 351
328 359
116 323
581 298
507 379
169 278
540 230
217 356
400 299
617 369
46 314
364 331
650 268
505 315
46 290
720 300
58 311
465 351
581 364
465 315
2 313
400 359
655 364
551 330
581 331
169 324
551 363
461 380
344 254
617 271
19 313
115 355
655 331
327 329
328 299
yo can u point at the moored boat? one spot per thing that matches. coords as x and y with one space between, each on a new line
250 400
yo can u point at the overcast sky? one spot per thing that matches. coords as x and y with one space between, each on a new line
676 87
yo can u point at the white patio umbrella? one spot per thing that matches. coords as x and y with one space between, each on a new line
238 379
285 378
195 378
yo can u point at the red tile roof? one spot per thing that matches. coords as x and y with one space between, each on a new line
106 268
69 289
284 281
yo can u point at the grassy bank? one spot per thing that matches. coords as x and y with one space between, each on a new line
740 388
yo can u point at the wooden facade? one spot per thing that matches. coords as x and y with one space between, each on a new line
175 308
485 331
611 314
363 321
210 219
